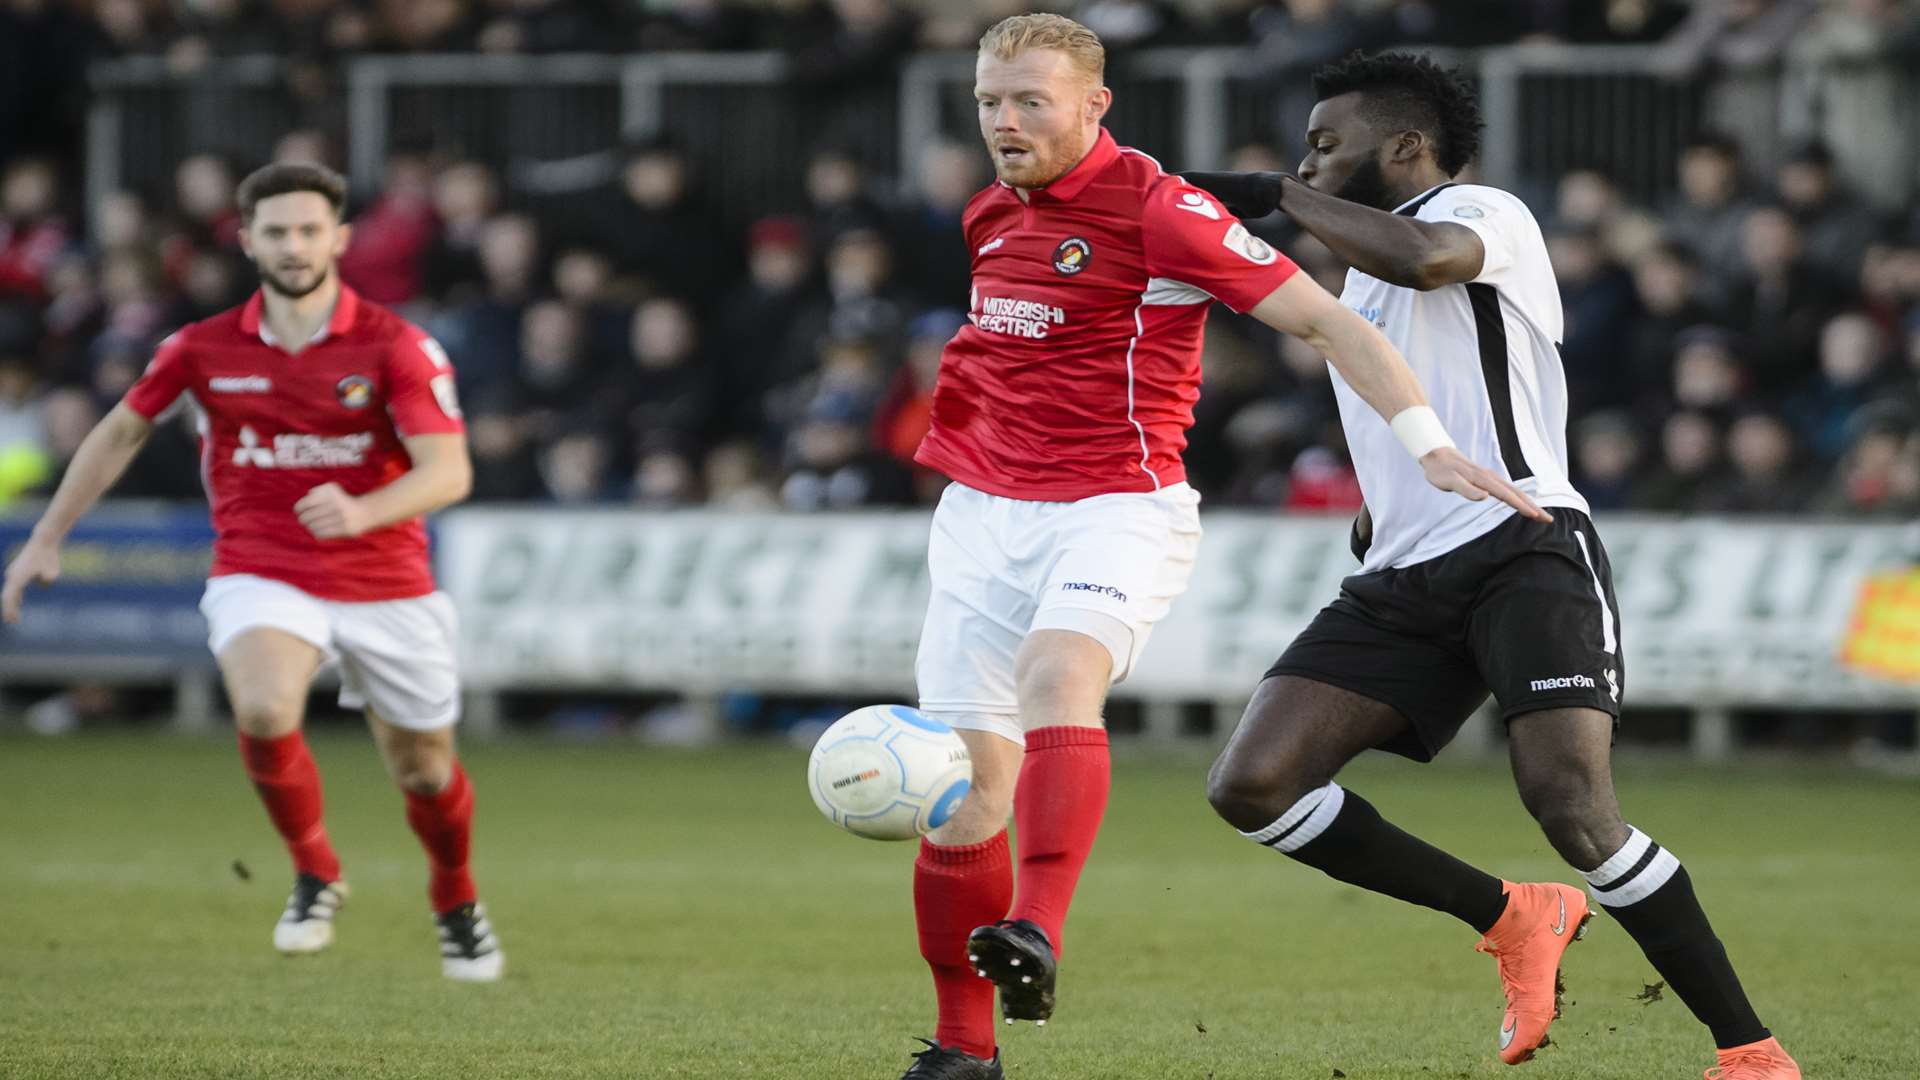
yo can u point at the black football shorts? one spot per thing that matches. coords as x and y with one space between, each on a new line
1526 612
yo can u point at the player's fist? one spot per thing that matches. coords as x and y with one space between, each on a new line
1245 195
1449 470
37 564
329 513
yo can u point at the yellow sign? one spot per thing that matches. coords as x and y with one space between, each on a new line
1885 637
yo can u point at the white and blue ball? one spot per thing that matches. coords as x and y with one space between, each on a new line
887 772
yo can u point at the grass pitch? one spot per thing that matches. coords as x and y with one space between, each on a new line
688 915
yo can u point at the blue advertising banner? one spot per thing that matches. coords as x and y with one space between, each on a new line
129 587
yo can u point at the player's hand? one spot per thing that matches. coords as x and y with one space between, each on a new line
1245 195
329 513
1449 470
37 564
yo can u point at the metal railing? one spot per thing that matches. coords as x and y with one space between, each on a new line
748 126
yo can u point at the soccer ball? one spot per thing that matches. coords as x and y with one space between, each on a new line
887 772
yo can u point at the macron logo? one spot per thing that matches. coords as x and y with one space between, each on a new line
992 245
240 384
1564 682
1103 590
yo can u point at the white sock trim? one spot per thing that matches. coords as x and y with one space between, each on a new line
1633 873
1303 821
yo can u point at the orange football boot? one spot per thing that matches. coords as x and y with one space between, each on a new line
1541 920
1764 1060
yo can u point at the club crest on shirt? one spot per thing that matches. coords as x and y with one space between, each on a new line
1072 256
354 391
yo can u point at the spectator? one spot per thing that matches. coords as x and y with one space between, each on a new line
653 229
905 412
504 468
1606 459
1709 208
555 388
1849 84
860 301
1293 37
465 197
1709 372
1766 475
1880 474
387 255
736 479
576 464
843 59
1853 369
542 26
840 194
1837 227
696 25
1690 464
1608 22
762 312
831 464
1779 298
32 234
480 335
1666 284
1597 298
1740 44
940 272
667 394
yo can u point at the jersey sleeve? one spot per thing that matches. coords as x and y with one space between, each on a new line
1190 238
168 375
420 392
1496 217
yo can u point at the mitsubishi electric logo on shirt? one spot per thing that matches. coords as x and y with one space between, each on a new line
293 451
1018 318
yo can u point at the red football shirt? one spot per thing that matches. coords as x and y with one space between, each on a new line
274 426
1077 372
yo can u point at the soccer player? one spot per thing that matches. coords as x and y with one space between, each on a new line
1068 530
1454 599
328 426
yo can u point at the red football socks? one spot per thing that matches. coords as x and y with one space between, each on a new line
955 890
1057 806
283 772
444 824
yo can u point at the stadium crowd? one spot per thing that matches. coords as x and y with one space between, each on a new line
1749 345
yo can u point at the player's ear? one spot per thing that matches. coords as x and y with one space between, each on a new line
343 236
1407 146
246 241
1098 103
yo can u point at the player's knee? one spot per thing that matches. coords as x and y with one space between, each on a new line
423 770
264 718
1063 685
1583 833
1251 795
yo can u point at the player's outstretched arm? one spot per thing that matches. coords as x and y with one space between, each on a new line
441 475
1395 248
103 455
1380 375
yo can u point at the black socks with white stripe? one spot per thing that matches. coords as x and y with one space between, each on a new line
1646 890
1340 834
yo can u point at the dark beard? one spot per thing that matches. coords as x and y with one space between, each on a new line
1367 186
269 281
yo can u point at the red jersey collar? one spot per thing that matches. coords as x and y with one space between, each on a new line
1104 153
345 309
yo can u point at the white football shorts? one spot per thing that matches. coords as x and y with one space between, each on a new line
396 655
1108 567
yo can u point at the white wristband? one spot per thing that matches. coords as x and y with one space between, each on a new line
1419 430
